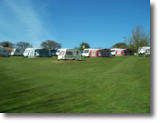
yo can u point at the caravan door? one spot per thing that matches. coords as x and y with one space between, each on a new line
78 55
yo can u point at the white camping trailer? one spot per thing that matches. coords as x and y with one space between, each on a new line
144 50
17 52
86 52
37 52
27 50
113 51
72 54
59 50
4 52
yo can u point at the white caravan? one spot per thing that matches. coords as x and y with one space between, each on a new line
37 52
59 50
144 50
17 52
4 52
72 54
113 51
27 50
86 52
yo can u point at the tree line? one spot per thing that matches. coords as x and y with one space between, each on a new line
138 39
20 44
49 44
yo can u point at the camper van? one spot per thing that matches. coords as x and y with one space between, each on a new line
72 54
17 52
144 50
37 52
113 51
86 52
4 52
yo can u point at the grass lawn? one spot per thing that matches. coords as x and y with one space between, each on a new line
94 85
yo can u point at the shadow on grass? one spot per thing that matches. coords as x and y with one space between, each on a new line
52 104
18 97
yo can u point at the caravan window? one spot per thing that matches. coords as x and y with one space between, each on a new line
37 52
61 53
46 53
69 53
13 50
86 51
112 50
4 51
17 50
148 51
57 51
26 51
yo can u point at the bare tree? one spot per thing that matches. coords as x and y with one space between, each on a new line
139 38
23 45
7 44
49 44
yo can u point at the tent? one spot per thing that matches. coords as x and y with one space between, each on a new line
53 52
100 53
104 53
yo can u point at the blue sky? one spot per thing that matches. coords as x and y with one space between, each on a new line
100 23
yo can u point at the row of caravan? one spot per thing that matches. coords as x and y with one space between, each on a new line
15 51
28 52
73 53
106 52
124 52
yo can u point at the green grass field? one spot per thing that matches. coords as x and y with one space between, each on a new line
94 85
